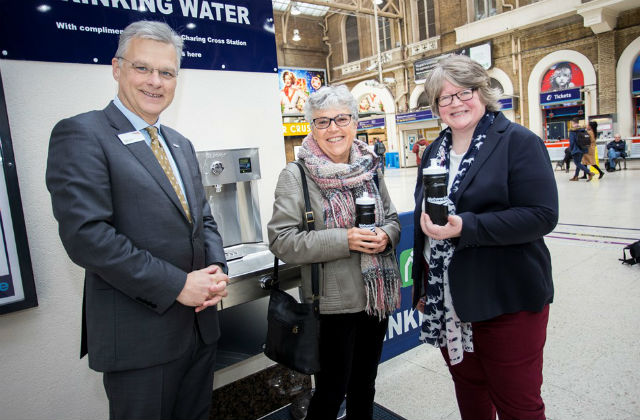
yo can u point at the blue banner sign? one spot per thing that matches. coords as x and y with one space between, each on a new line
403 332
636 86
233 35
506 104
410 117
372 123
569 95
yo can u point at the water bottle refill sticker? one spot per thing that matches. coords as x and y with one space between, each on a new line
434 179
366 212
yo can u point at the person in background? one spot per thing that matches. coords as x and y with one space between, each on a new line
418 148
567 159
589 158
615 149
359 277
484 280
127 194
380 149
576 151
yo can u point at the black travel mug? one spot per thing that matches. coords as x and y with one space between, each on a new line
434 180
366 212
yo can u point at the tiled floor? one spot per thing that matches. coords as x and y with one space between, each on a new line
592 356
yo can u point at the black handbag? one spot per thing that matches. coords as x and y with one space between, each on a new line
634 251
292 327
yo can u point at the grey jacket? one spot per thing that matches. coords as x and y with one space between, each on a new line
121 220
341 285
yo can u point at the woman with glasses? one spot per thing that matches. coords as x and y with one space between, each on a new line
359 277
484 284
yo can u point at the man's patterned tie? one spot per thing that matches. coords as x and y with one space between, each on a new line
160 154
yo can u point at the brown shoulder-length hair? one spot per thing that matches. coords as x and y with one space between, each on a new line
461 71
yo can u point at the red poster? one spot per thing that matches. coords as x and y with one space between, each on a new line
564 75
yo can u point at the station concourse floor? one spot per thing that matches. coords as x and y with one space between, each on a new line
592 356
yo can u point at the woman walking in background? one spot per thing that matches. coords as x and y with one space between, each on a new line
589 158
578 150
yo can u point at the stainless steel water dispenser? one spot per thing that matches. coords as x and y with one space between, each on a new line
230 178
230 182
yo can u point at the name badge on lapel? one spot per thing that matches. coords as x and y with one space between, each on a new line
131 137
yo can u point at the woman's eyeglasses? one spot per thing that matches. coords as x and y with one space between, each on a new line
341 120
463 95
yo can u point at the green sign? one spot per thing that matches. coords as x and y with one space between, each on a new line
406 263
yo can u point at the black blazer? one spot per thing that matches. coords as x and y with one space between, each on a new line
120 219
507 201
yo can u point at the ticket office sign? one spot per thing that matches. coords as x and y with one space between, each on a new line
230 35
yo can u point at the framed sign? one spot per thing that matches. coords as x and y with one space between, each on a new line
234 35
17 288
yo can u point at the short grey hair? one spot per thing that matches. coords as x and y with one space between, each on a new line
328 97
462 71
149 29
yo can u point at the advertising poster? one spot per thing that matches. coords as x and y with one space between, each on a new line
370 103
561 76
17 286
233 35
11 286
295 87
8 292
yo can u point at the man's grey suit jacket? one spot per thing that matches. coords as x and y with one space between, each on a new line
120 219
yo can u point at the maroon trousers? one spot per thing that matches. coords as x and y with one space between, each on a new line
504 372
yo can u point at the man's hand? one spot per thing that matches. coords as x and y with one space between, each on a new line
452 229
363 240
204 288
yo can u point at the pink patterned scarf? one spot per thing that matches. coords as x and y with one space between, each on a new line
341 184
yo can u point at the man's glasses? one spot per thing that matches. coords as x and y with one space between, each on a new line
463 95
341 120
140 68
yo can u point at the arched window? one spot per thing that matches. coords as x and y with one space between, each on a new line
495 84
351 38
422 101
426 19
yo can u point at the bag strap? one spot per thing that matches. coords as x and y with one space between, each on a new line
308 213
311 225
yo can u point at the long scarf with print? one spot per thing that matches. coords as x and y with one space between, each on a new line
340 184
441 325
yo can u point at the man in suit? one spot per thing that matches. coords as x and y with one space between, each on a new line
127 194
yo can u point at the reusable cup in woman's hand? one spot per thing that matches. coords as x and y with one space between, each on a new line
366 212
434 180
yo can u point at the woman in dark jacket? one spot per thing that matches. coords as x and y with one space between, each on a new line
577 152
484 284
